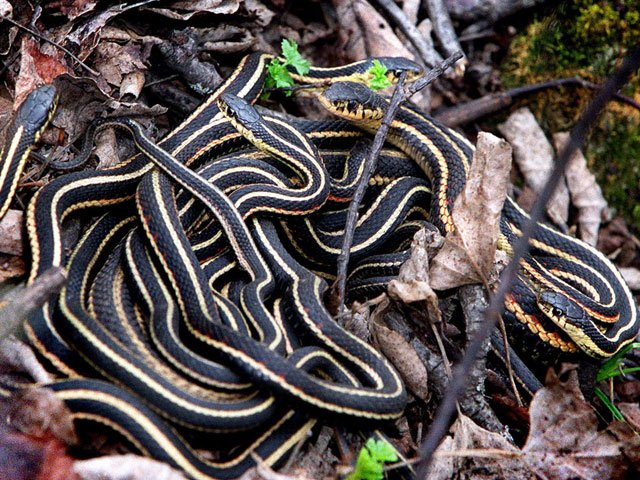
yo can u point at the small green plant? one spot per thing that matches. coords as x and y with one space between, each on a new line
612 368
379 79
277 74
606 401
371 460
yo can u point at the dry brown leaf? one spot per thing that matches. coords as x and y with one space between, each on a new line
259 11
125 467
534 155
36 68
413 283
184 10
468 252
74 8
131 85
114 61
585 192
27 458
632 277
39 413
402 355
86 34
473 453
631 412
363 32
6 10
564 441
11 232
410 9
11 266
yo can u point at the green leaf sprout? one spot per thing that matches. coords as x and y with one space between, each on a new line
378 74
277 74
371 460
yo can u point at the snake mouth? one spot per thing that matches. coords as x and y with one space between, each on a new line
354 102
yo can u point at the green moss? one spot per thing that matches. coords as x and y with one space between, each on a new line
581 35
613 152
589 39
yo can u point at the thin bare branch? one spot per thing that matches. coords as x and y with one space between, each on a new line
427 54
370 166
400 95
55 44
442 26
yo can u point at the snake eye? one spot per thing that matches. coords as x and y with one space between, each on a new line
556 312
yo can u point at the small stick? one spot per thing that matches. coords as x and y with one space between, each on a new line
400 95
474 109
428 55
57 45
369 168
559 82
457 385
442 26
22 301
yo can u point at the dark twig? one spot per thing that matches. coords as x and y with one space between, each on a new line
400 94
433 73
442 26
480 107
428 55
458 383
571 81
55 44
22 301
369 167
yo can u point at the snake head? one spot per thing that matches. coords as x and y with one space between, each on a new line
37 109
560 308
238 111
575 322
354 102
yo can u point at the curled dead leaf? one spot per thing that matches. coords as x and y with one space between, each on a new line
363 32
114 60
11 232
534 156
402 355
413 283
36 68
125 467
184 10
585 192
564 441
468 252
39 413
475 453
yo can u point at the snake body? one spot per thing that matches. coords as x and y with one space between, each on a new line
198 292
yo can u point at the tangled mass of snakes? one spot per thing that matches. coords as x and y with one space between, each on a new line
194 302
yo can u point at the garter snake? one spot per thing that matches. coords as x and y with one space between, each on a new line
80 328
23 132
568 293
238 340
